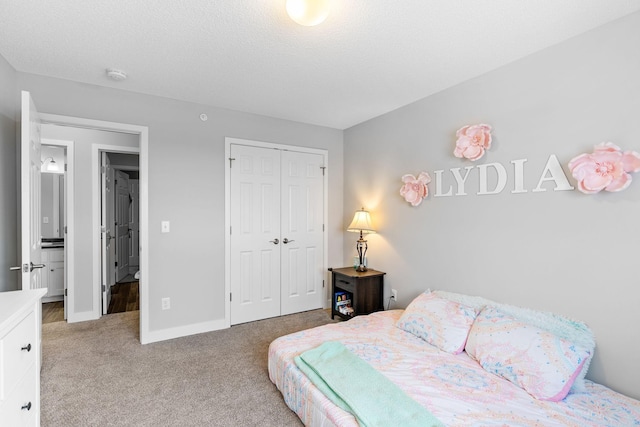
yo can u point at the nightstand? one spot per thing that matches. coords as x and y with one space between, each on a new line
362 289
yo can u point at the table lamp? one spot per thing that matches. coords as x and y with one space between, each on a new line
361 223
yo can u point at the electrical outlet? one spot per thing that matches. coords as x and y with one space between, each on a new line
166 303
394 294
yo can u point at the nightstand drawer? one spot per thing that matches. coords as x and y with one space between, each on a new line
17 354
345 283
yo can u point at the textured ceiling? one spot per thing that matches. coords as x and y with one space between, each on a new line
369 57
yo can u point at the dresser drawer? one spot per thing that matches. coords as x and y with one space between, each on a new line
21 408
344 282
17 354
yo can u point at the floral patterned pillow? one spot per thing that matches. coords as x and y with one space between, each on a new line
537 361
440 322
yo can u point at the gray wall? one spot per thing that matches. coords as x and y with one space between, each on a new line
560 251
84 139
9 280
186 185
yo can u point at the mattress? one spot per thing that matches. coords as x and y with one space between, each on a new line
454 388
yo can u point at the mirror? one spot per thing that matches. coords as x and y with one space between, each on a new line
52 187
52 204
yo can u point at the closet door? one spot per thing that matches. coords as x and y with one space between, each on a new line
301 230
255 233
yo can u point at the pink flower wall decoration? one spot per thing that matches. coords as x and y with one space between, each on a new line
607 168
472 141
415 189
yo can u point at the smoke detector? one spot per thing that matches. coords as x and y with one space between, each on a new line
117 75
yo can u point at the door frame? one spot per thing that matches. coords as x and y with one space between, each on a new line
69 236
143 151
227 211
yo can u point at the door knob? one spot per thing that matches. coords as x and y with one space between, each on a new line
15 268
34 266
285 241
275 241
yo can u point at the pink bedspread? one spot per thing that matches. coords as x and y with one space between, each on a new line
453 387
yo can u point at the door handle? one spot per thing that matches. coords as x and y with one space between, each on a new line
15 268
285 241
34 266
275 241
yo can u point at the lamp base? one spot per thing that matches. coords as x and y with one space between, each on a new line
361 268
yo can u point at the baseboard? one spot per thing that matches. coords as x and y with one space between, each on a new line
183 331
82 316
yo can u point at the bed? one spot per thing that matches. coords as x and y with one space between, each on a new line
455 387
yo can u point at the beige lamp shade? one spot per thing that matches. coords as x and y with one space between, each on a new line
361 223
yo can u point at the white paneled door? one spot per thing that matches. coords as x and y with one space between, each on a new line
276 245
30 195
108 229
123 202
301 216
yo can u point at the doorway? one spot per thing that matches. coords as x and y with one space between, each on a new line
57 229
120 228
142 135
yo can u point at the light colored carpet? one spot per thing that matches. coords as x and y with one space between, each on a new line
97 373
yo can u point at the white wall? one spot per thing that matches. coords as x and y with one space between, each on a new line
564 252
186 186
9 280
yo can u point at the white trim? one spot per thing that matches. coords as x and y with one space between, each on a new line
83 316
183 331
227 210
69 241
143 132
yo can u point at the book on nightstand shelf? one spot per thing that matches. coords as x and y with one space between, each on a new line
343 303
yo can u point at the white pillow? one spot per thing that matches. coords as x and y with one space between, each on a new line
440 322
571 330
537 361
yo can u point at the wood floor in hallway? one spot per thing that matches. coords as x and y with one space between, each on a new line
124 297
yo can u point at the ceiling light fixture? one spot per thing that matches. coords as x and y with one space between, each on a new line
117 75
51 166
308 12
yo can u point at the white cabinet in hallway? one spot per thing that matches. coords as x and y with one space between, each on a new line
53 272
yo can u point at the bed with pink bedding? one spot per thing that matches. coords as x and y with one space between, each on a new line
452 385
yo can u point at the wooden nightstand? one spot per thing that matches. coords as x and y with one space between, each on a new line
364 289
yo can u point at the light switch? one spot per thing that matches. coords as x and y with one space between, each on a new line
45 220
165 226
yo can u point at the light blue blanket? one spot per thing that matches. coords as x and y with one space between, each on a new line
355 386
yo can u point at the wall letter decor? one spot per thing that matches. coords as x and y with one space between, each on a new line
607 168
557 175
415 189
472 141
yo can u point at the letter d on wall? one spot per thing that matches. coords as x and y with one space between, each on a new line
502 178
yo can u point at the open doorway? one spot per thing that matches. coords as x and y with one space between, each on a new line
120 225
56 202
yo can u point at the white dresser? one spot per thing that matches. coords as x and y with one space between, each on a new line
20 357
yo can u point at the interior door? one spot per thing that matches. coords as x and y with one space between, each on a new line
123 203
64 234
302 213
107 229
31 238
255 233
134 225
